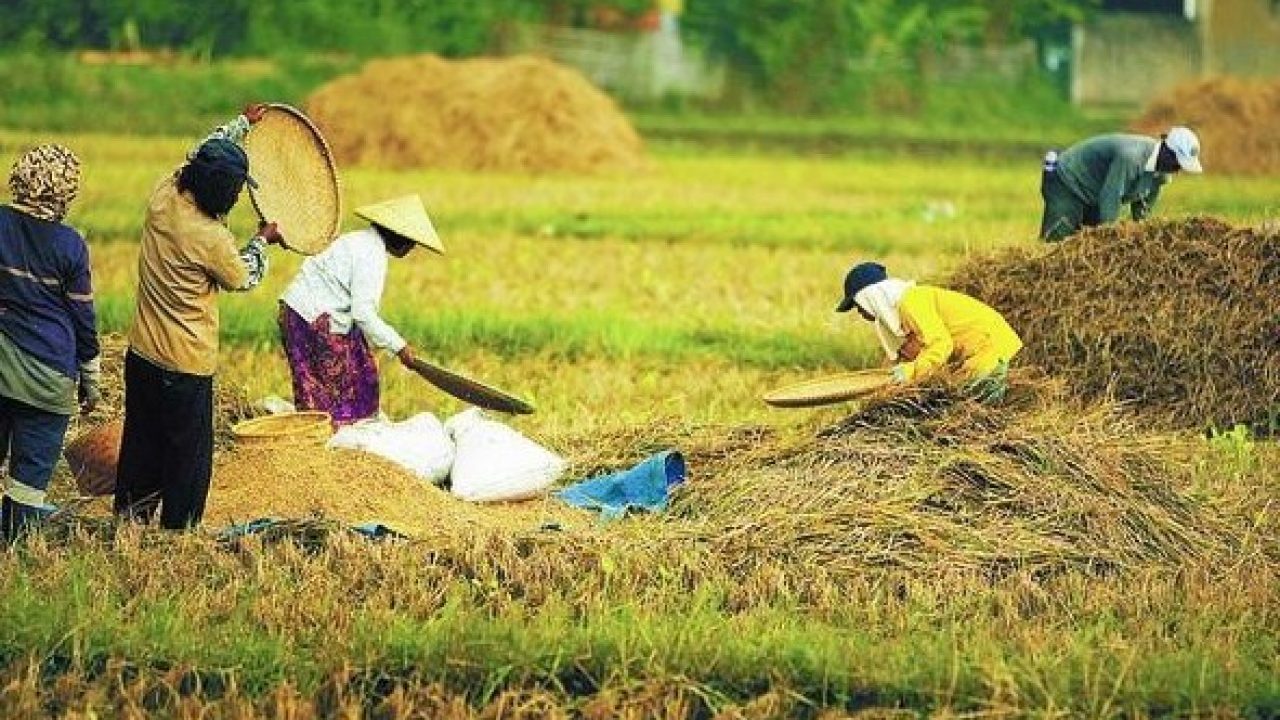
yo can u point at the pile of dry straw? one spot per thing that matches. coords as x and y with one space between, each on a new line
933 481
523 114
1177 318
1235 118
925 479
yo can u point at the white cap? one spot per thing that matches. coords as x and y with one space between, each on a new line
1186 147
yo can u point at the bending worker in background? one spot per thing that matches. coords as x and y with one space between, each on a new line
187 256
48 330
329 313
922 328
1086 185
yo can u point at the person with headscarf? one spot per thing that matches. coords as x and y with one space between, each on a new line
187 256
329 313
923 329
48 330
1091 181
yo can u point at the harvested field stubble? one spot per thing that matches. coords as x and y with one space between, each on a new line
523 113
1178 318
922 518
1235 118
929 482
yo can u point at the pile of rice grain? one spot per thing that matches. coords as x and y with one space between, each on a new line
1178 318
285 480
523 113
1235 118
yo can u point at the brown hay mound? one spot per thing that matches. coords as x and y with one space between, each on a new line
1236 120
1176 317
523 113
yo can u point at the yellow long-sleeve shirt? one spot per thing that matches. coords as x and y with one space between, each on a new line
950 325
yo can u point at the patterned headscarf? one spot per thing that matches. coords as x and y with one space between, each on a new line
44 181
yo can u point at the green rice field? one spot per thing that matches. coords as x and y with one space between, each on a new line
648 310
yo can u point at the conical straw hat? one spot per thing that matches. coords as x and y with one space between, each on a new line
404 216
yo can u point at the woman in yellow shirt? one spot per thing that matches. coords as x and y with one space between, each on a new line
924 328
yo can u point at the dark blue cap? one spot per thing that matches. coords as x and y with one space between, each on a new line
862 275
224 156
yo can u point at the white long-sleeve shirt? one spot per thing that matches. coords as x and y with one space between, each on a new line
346 281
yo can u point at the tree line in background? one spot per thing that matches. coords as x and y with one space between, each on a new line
800 54
815 53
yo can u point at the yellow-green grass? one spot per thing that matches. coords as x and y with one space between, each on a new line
652 302
852 203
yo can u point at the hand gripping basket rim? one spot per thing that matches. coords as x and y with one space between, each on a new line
830 389
264 150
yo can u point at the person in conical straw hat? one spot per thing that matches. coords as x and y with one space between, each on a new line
329 312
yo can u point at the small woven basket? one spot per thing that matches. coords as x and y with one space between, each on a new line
92 458
306 428
829 390
298 186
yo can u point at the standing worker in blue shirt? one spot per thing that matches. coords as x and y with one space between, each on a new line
1086 185
48 331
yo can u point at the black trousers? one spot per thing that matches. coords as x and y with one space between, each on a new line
1064 213
166 453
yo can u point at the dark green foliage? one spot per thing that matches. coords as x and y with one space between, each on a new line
877 56
248 27
817 54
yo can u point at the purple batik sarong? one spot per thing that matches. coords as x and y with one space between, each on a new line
334 373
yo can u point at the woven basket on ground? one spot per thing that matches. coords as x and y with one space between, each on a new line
308 427
92 458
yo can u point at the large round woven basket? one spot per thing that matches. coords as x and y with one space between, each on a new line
298 187
303 428
829 390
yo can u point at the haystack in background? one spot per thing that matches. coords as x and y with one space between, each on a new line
1236 120
1178 318
522 114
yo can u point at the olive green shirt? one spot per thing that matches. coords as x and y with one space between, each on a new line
1108 171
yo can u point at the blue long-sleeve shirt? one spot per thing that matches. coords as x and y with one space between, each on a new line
46 292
